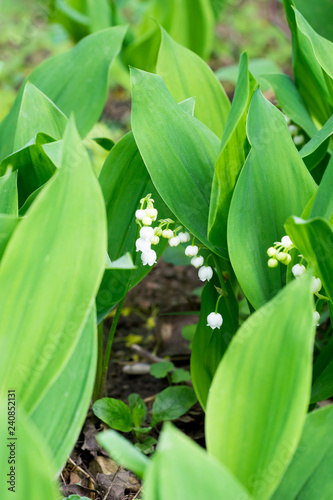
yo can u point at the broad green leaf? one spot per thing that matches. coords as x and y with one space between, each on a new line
314 151
233 151
218 6
34 470
309 77
178 150
46 304
186 75
114 413
322 387
124 181
273 185
124 262
123 452
210 345
257 404
291 101
320 481
322 48
258 68
172 403
161 370
319 15
180 375
8 194
100 14
316 439
71 80
34 167
181 469
69 397
37 114
314 240
8 224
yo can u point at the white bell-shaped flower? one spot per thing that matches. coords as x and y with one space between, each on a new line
316 285
271 252
316 318
205 273
298 140
293 129
155 240
147 221
184 237
298 270
142 245
151 212
191 251
214 320
140 214
286 242
174 241
149 258
147 233
197 261
272 263
167 233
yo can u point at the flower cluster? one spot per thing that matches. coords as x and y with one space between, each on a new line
280 252
205 273
294 130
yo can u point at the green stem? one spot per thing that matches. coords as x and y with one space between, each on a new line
109 346
100 332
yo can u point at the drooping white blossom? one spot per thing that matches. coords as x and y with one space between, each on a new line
197 261
149 258
298 140
286 242
205 273
316 285
142 245
298 270
316 318
191 251
184 237
155 240
272 263
147 233
174 241
167 233
147 221
214 320
140 214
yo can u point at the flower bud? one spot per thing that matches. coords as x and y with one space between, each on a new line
191 250
140 214
272 263
155 240
147 233
298 140
316 318
271 252
147 221
197 261
158 231
298 270
184 237
214 320
283 257
293 129
174 241
205 273
142 245
151 212
167 233
287 119
149 258
316 285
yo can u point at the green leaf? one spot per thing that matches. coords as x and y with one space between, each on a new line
34 470
313 152
138 408
323 202
316 439
147 445
322 48
257 405
181 469
291 101
210 345
319 15
69 397
124 262
45 306
172 403
178 150
8 224
314 239
124 181
114 413
233 151
123 452
161 370
8 194
259 68
180 375
186 75
72 80
273 185
309 77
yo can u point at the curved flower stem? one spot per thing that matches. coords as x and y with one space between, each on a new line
109 347
100 333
